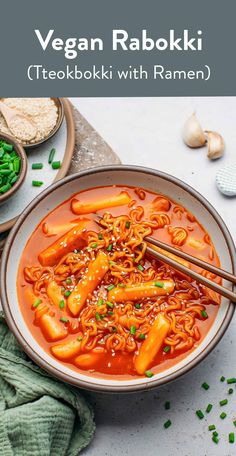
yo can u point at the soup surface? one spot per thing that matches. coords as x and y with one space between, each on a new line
94 299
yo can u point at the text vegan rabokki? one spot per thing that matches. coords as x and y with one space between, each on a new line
94 300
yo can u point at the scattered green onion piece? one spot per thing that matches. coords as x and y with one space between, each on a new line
100 302
64 319
109 248
121 285
215 439
132 330
16 164
97 316
230 391
110 304
37 165
234 423
223 402
63 289
140 267
167 405
67 293
166 349
167 424
7 147
209 408
222 379
127 224
62 304
103 315
68 281
200 414
205 386
215 434
204 313
5 188
113 263
159 284
231 437
142 336
231 380
110 312
149 374
223 415
37 183
37 302
79 338
114 329
137 306
100 236
94 245
51 156
211 427
110 287
56 165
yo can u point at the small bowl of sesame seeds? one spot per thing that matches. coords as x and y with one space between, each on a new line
13 166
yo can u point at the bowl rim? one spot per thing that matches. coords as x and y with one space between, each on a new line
24 165
88 384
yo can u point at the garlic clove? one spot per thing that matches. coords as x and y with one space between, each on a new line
215 145
193 134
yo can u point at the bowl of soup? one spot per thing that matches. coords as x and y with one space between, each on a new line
86 301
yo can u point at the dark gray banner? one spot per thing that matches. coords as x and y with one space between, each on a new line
122 48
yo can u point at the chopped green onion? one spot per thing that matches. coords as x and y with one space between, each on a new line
100 236
142 336
159 284
109 248
121 285
63 289
37 302
209 407
133 330
205 386
37 165
68 281
7 147
51 156
211 427
149 374
166 349
230 391
215 434
127 224
167 424
5 188
103 315
79 338
112 263
62 304
223 415
100 302
94 245
64 319
231 437
97 316
137 306
223 402
37 183
222 379
199 414
167 405
110 287
231 380
56 165
204 313
67 293
140 267
110 312
110 304
215 438
234 423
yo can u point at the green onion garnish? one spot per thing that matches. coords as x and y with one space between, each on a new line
7 147
149 374
110 287
137 306
222 379
100 302
109 248
234 423
215 438
223 415
67 293
159 284
37 183
112 263
205 386
231 380
211 427
166 349
215 434
62 304
64 319
110 312
231 437
204 314
68 281
140 267
121 285
223 402
110 304
230 391
142 336
56 165
209 407
79 338
100 236
127 224
199 414
167 424
167 405
94 245
37 165
133 330
97 316
51 156
37 302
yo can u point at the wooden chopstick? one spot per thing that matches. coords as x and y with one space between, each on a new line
202 264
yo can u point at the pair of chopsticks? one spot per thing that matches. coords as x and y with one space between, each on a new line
191 259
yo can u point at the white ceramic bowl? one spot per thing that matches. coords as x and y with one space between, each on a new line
55 195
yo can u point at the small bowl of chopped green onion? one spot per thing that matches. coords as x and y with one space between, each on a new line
13 166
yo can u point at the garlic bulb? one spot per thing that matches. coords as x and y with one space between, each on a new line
215 145
193 134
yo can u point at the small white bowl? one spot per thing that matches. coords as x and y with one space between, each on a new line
64 189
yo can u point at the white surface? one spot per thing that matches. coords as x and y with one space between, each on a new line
146 131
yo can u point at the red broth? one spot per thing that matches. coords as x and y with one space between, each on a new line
113 352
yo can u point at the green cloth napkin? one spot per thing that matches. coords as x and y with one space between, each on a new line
39 416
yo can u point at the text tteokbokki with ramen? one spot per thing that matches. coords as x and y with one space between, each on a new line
93 298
